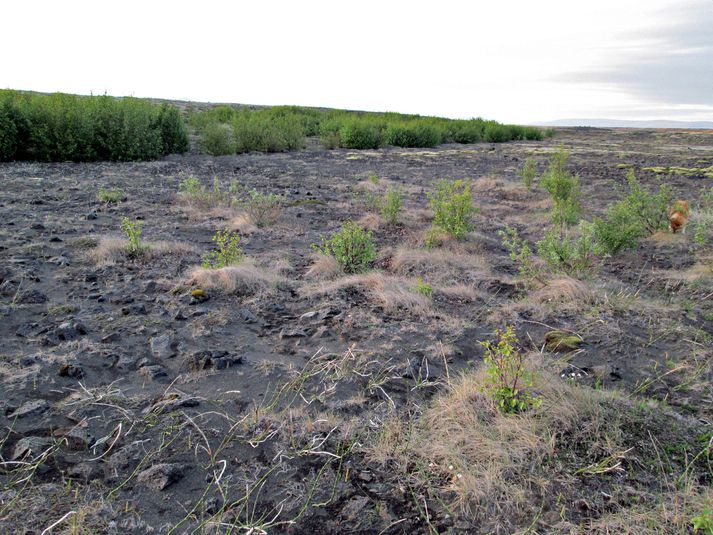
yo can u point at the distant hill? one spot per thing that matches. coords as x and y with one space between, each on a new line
620 123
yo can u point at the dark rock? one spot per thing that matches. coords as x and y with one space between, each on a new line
33 407
37 226
31 447
179 315
219 360
247 316
153 371
67 331
90 277
85 471
71 370
111 337
91 216
77 439
31 297
161 476
163 346
292 333
30 329
56 239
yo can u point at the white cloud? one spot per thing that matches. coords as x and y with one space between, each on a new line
515 61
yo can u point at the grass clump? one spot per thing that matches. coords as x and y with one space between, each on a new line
520 253
263 209
133 231
193 192
423 288
529 172
573 256
227 250
391 206
352 247
508 382
452 205
110 196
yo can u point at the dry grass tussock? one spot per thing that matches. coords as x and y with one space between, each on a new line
369 221
390 292
564 295
324 267
422 261
501 471
245 278
111 249
243 224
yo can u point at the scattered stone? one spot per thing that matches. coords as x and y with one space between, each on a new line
31 297
67 331
33 407
91 216
170 402
59 260
219 360
70 370
153 371
77 439
179 315
31 447
292 333
163 346
247 316
85 471
162 475
37 226
111 337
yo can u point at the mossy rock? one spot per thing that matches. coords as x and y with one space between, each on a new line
198 294
562 342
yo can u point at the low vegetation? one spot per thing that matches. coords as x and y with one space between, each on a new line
352 247
452 205
61 127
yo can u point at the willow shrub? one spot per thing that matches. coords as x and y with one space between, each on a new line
61 127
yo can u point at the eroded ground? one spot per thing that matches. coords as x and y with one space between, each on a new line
299 401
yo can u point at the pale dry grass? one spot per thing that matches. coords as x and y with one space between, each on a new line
369 221
245 278
406 260
324 267
243 224
111 249
390 292
561 295
487 458
459 292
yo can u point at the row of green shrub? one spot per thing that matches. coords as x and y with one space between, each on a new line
61 127
226 130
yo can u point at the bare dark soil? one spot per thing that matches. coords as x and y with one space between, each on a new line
128 405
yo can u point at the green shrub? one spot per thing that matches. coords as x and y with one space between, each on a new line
110 196
564 190
650 209
701 220
174 133
618 231
391 207
227 250
352 247
520 253
508 381
62 127
412 135
359 134
573 256
529 172
133 231
423 288
263 131
217 139
192 192
639 213
8 133
262 209
452 205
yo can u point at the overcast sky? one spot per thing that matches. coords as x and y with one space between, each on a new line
514 61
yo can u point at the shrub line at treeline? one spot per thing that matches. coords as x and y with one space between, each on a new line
227 129
62 127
